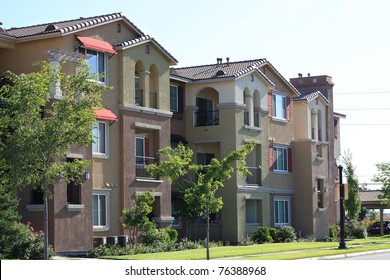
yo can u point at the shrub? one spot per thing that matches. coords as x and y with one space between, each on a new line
286 234
355 229
273 232
172 235
307 238
262 235
28 245
151 235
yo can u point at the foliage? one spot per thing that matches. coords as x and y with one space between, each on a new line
198 183
307 238
173 235
182 245
334 232
286 234
136 218
151 235
353 203
262 235
384 178
275 235
355 229
37 131
26 244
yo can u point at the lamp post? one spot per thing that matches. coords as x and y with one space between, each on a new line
342 214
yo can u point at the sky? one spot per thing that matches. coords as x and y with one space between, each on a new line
348 40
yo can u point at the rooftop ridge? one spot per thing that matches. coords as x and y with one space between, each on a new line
119 14
223 64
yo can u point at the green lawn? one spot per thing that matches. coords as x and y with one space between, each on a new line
273 251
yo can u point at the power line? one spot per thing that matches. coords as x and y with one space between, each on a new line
365 124
361 109
363 92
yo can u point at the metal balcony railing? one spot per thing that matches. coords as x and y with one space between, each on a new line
255 178
207 118
140 171
138 97
256 119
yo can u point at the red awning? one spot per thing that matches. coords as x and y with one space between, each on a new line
96 44
105 114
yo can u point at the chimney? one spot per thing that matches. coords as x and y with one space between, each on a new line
227 61
308 74
300 75
219 61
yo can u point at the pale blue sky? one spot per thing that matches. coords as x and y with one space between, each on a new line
346 39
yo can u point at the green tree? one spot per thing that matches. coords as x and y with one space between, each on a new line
384 178
37 131
353 203
199 183
136 217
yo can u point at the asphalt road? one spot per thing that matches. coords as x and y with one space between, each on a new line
374 256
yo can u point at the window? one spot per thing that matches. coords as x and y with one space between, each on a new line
279 106
36 196
320 193
174 99
281 211
280 159
97 63
204 158
99 210
252 211
138 93
99 145
73 190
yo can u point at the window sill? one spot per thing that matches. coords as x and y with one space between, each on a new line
149 180
281 172
75 207
279 120
252 128
102 156
101 228
35 207
319 159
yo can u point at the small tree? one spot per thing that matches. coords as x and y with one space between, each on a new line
136 218
353 203
37 131
384 178
199 183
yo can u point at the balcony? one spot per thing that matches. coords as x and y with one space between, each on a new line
256 119
153 100
138 97
140 171
255 178
207 118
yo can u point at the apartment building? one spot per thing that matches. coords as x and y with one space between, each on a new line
214 109
133 125
229 103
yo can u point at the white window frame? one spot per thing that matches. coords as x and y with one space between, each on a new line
175 99
281 166
102 76
96 139
285 200
105 227
279 106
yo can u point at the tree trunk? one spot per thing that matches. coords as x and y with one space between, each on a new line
208 238
45 220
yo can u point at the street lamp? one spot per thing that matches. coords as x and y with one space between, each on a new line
342 212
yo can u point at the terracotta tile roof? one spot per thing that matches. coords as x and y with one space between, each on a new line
310 95
142 40
370 196
63 27
218 71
